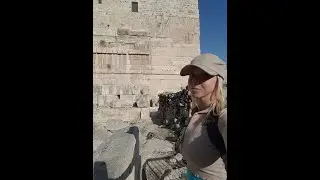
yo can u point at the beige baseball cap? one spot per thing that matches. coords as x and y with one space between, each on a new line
209 63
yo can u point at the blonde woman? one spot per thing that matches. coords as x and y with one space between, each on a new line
204 141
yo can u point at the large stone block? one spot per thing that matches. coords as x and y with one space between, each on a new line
123 31
108 99
145 90
115 124
100 134
154 101
117 154
124 114
95 99
138 33
128 98
145 113
97 89
127 90
143 101
119 103
101 100
166 69
131 89
161 60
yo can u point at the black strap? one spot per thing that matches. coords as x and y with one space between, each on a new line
215 135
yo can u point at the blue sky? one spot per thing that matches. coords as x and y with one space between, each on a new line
213 27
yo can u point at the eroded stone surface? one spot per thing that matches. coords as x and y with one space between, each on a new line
143 101
117 153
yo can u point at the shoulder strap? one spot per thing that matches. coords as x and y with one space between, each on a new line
215 135
179 142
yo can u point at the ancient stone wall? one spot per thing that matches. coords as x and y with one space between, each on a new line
140 53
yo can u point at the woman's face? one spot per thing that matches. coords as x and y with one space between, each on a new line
200 83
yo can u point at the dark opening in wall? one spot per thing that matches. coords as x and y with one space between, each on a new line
134 6
100 1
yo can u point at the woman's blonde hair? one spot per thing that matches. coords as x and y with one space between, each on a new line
217 98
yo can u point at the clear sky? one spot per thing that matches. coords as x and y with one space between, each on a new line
213 27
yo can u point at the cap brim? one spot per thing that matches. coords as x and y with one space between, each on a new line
186 70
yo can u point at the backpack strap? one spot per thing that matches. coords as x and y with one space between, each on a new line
179 142
215 135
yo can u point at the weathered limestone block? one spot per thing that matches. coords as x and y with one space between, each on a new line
113 90
101 100
106 90
97 89
123 31
127 90
145 90
119 90
95 99
154 101
128 97
120 103
135 89
124 114
117 153
145 113
138 33
154 148
133 115
143 101
108 99
100 135
115 124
